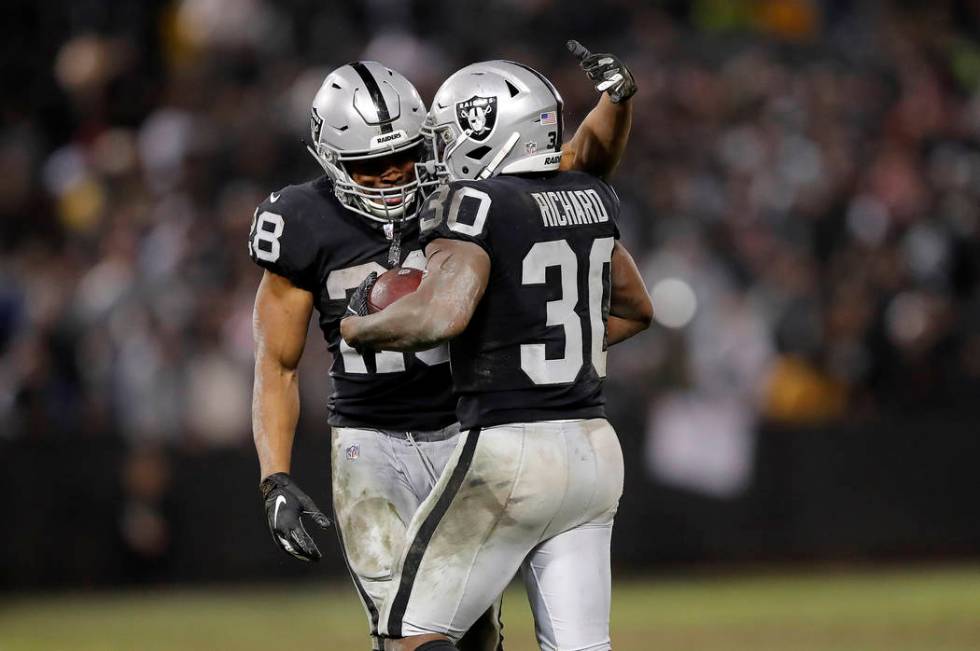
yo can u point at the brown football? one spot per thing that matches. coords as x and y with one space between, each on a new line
392 285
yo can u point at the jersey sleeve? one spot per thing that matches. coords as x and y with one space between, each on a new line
456 211
281 239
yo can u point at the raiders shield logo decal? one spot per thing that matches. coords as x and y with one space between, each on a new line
316 124
478 115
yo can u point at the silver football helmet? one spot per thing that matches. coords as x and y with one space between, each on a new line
494 117
365 110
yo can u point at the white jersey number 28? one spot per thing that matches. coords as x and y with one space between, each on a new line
266 227
561 312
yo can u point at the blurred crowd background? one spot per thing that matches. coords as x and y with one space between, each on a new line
801 192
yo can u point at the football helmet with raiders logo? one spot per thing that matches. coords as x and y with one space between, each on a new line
363 114
494 117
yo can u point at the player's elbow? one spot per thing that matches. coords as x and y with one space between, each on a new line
455 327
644 311
275 357
443 321
440 326
275 369
635 307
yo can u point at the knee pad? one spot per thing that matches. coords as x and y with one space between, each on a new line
437 645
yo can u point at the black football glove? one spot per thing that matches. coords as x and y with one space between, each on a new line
285 504
358 305
607 72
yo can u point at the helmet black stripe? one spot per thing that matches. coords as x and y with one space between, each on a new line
554 91
384 117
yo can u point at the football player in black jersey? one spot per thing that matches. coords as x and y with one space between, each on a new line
527 280
392 414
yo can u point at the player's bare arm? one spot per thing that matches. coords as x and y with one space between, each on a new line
279 324
280 319
600 140
630 309
456 277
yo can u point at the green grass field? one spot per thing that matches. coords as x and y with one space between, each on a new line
909 610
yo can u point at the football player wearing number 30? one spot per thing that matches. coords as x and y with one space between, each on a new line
527 281
392 414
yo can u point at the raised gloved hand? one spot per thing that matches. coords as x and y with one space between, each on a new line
285 505
607 72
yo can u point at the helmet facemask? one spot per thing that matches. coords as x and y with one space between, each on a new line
438 140
364 120
386 204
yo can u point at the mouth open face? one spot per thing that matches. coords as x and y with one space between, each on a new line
382 200
386 204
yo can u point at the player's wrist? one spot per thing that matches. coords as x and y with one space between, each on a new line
349 328
273 481
625 90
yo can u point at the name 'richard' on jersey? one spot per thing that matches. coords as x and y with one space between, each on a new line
570 207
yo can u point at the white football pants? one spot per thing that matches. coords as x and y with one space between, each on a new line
379 481
538 497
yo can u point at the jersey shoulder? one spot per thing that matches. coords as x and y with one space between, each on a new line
574 202
303 202
455 210
502 208
290 230
506 188
564 199
575 179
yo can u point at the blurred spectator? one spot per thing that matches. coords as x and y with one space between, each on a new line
802 190
145 528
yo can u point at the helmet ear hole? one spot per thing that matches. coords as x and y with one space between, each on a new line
478 153
466 170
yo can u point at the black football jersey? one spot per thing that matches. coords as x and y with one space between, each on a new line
535 348
303 233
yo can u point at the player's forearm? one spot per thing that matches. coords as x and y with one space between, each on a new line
439 310
409 324
619 329
279 322
275 412
630 307
600 141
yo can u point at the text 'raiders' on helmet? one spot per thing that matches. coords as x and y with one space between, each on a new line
365 110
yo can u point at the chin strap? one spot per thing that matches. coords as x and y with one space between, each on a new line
488 171
393 230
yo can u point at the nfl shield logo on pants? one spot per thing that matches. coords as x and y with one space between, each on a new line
353 452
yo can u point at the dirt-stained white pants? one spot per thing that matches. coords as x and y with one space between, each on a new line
538 497
380 478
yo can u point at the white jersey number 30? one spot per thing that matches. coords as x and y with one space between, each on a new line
561 312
